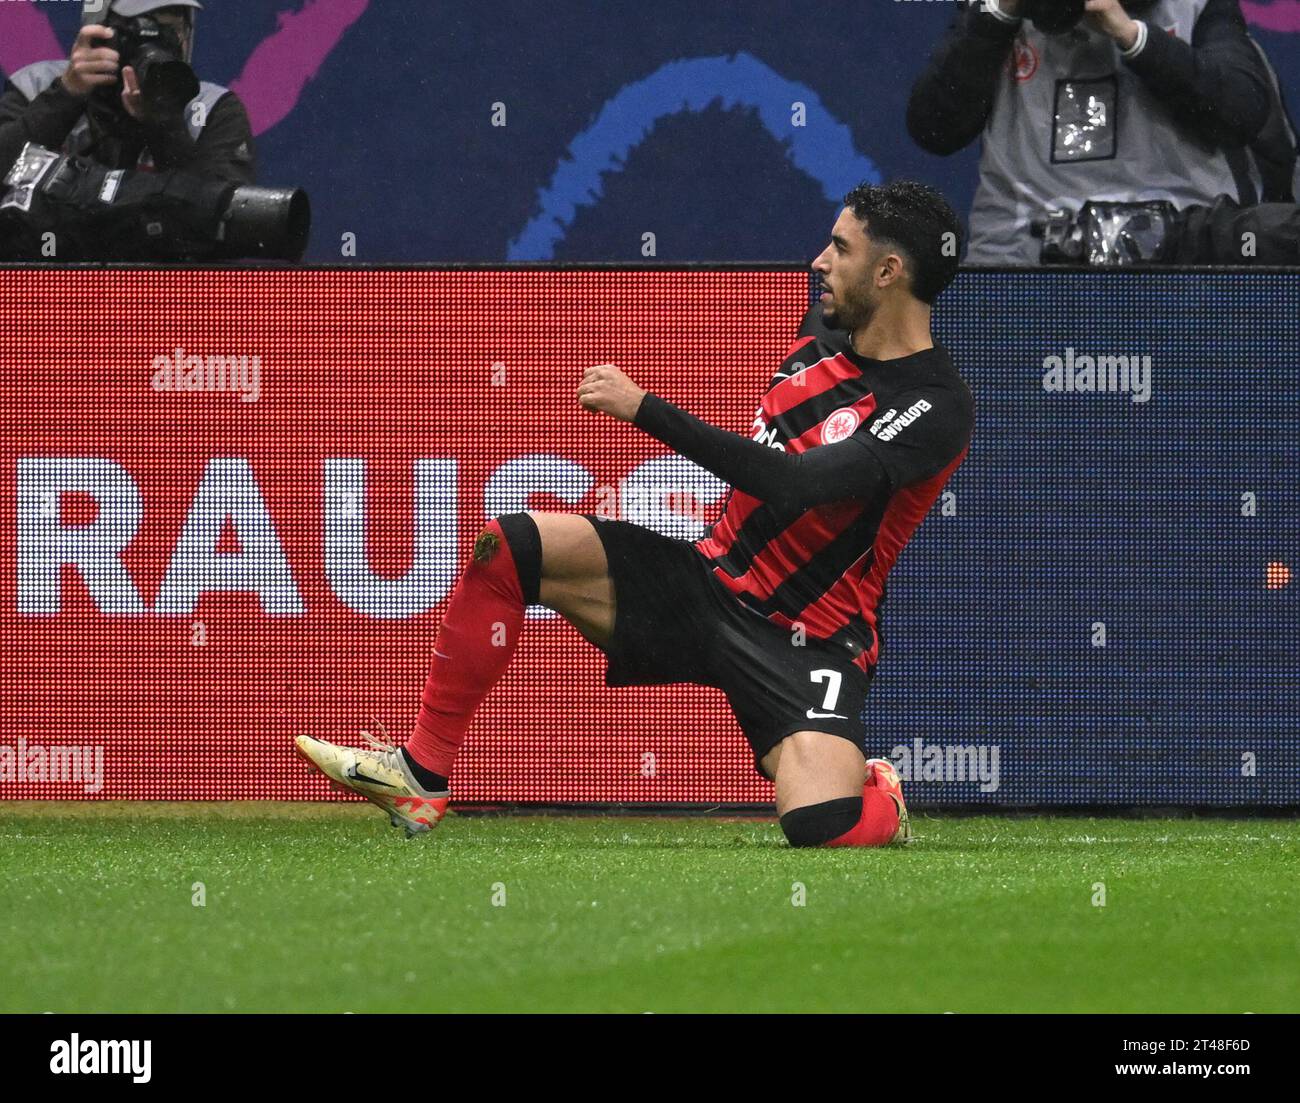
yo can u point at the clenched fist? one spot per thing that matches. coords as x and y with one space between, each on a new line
605 389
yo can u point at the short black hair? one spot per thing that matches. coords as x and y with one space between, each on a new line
916 220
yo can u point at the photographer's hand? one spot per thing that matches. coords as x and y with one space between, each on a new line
91 65
134 104
132 98
1109 18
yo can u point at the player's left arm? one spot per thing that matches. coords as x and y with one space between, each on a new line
787 481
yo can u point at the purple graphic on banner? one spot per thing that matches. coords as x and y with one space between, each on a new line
25 37
1279 15
282 64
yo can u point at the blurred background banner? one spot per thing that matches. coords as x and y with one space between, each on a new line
528 131
233 503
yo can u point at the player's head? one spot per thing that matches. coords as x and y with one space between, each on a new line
890 240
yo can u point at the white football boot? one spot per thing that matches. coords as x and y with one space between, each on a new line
380 774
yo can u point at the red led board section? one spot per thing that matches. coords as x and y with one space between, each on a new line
235 502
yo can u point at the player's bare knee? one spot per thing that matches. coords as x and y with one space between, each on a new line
801 747
571 548
821 753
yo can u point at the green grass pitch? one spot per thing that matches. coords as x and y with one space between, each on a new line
326 908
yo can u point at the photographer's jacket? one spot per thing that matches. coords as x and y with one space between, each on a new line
212 138
1066 118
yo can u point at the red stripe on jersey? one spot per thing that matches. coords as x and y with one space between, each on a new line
864 408
724 532
742 505
906 510
793 547
815 379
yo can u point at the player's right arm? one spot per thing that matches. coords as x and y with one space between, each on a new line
791 482
937 430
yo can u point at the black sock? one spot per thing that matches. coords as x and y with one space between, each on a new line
428 780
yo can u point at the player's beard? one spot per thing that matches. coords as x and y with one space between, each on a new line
849 311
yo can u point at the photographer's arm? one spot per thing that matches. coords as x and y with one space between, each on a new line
47 120
951 101
1217 86
223 151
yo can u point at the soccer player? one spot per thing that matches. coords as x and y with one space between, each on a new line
856 435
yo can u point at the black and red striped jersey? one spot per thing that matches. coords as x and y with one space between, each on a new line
898 429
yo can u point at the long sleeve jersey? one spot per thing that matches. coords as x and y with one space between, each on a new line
846 457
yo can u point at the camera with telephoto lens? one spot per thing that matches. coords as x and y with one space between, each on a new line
1110 234
89 212
156 53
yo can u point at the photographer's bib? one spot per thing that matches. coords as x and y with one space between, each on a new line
35 79
1071 122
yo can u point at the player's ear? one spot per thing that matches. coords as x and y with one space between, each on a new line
890 269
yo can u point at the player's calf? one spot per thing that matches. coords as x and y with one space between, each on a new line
476 641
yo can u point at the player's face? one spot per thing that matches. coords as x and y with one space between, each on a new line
846 265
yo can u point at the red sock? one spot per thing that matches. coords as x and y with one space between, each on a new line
474 645
879 822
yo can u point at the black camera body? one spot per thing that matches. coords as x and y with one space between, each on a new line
1059 16
156 53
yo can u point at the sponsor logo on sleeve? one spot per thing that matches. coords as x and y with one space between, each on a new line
893 423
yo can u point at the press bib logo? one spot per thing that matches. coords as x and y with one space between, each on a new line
1023 62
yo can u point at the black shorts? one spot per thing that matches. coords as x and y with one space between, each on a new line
674 622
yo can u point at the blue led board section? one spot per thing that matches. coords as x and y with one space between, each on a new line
1104 607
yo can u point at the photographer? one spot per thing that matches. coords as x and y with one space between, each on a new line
1139 101
94 106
